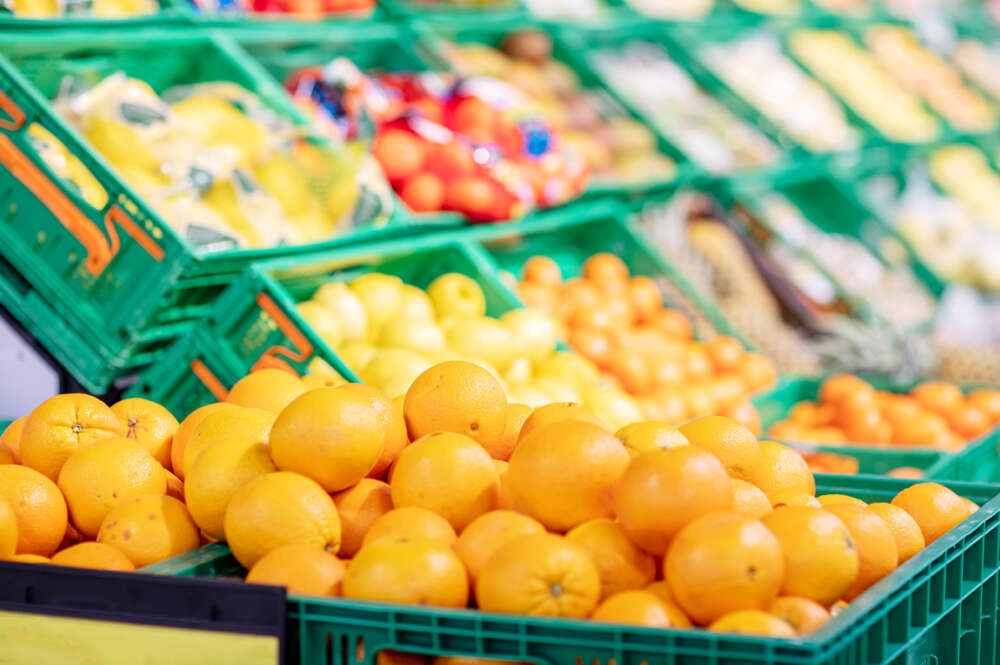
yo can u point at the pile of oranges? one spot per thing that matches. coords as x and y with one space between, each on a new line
618 321
935 414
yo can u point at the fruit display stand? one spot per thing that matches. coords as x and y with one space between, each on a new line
940 605
977 461
65 263
60 613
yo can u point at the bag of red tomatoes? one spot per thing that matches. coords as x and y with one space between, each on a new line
474 146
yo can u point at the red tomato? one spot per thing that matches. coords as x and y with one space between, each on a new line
400 153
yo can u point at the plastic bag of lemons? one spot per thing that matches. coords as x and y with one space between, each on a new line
221 167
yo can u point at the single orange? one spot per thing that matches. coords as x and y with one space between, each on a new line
93 555
645 297
987 401
334 435
300 568
410 523
906 531
663 490
967 420
781 472
752 622
632 369
186 429
757 370
557 412
390 421
840 386
414 572
874 542
735 445
542 270
605 267
249 426
488 533
593 344
821 560
543 575
861 423
935 508
634 607
359 507
802 614
62 424
268 389
724 352
149 424
149 528
456 396
721 563
39 507
620 563
938 396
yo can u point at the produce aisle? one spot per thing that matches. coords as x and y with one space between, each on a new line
441 332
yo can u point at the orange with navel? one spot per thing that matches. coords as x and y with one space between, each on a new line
543 574
149 424
488 533
735 445
62 424
621 565
335 436
414 572
359 507
411 523
821 559
267 389
723 562
98 556
935 508
447 473
300 568
663 490
874 542
562 473
39 507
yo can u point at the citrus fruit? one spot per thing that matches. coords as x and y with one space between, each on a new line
938 396
186 429
621 565
752 622
724 352
987 401
645 297
28 558
971 505
781 472
346 306
60 425
542 270
237 424
11 437
447 473
8 529
300 568
906 531
749 500
663 490
6 455
149 424
149 528
844 386
333 435
488 533
100 475
454 294
543 574
802 614
821 559
391 419
721 563
93 555
967 420
456 396
562 473
557 412
603 268
219 472
661 590
635 607
645 436
830 499
266 389
411 523
393 371
934 507
725 438
39 507
874 542
514 417
359 506
414 572
276 509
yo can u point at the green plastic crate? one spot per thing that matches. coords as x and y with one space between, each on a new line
564 49
170 12
485 12
978 461
119 278
941 606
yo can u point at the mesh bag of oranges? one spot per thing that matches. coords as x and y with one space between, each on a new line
476 146
219 165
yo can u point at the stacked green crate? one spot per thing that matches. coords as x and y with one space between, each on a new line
105 289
